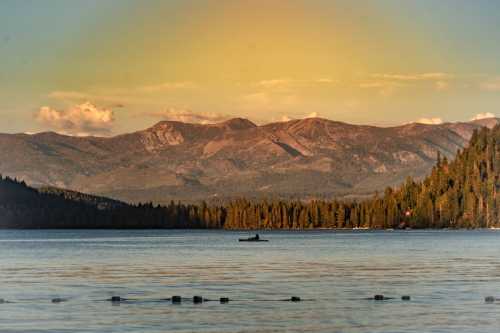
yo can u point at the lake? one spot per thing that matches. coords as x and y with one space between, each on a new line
446 273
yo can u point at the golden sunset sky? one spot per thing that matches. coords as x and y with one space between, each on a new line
106 67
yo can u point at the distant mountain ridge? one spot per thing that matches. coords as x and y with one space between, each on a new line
308 158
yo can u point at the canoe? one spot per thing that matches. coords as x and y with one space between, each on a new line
252 240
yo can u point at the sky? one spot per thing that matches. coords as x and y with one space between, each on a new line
104 67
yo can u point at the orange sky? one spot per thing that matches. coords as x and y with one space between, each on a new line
379 62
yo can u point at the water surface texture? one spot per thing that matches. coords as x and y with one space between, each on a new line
446 273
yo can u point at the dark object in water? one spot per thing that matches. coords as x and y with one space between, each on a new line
197 299
255 238
295 299
2 301
176 299
224 300
57 300
379 297
405 298
116 299
489 299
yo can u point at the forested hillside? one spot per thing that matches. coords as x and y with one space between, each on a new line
460 194
24 207
457 194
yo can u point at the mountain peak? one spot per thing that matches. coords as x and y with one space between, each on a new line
237 124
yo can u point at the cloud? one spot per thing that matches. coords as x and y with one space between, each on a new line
287 83
387 84
82 119
188 116
430 121
68 95
484 115
167 86
275 83
120 95
325 80
413 77
385 88
286 118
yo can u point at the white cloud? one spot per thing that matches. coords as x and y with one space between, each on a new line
275 83
325 80
484 115
385 88
188 116
413 77
286 118
387 84
82 119
286 83
430 121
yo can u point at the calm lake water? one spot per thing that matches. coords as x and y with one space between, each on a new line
447 274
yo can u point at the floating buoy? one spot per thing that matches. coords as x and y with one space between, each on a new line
379 297
489 299
197 299
58 300
176 299
224 300
405 298
295 299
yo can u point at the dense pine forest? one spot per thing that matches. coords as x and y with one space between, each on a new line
457 194
24 207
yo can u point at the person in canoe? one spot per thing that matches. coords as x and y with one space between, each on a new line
255 238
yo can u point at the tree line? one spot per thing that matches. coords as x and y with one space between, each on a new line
24 207
457 194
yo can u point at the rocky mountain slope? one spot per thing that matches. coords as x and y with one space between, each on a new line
179 161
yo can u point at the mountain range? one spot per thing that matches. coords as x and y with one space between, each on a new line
301 159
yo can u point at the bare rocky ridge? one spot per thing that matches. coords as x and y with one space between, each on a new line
179 161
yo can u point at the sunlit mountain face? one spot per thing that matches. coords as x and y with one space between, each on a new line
306 159
106 68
